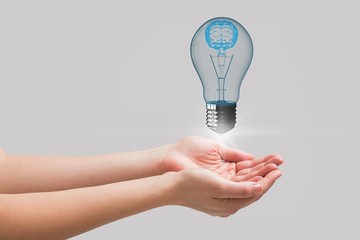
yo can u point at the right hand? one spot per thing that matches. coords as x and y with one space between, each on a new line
206 191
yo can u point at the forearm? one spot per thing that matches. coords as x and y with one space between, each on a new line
62 214
20 174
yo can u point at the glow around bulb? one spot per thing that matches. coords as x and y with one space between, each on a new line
221 51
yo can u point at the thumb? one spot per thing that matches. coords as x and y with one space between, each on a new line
241 189
232 155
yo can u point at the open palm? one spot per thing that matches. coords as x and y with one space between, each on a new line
199 152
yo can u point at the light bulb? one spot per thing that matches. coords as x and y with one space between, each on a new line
221 51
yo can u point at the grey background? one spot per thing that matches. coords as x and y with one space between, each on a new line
91 77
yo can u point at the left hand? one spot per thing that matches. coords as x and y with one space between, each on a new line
200 152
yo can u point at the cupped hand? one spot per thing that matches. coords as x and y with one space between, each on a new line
200 152
206 191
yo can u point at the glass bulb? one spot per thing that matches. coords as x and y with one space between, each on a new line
221 51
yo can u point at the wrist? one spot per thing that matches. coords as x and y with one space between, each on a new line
150 162
172 183
160 156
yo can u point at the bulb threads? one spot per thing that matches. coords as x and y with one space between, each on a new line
221 116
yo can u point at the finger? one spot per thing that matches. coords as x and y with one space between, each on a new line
240 190
248 164
260 172
233 155
272 155
255 165
275 158
254 179
269 180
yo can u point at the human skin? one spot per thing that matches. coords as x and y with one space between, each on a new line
63 214
195 172
23 174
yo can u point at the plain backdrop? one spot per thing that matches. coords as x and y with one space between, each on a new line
92 77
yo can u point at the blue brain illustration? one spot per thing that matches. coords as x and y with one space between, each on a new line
221 35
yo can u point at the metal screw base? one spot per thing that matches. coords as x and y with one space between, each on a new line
220 117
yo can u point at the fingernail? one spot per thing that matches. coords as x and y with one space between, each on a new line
257 188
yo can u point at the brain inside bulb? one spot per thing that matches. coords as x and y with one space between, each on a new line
221 35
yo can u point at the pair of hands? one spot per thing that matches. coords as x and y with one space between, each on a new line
216 179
